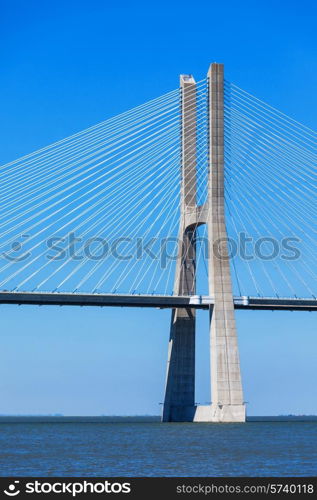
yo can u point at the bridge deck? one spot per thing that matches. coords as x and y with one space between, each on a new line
158 301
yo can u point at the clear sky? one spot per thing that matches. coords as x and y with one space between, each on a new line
66 65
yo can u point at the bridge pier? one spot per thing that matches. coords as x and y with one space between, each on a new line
179 398
227 395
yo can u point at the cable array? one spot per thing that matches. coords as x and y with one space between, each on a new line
270 190
99 211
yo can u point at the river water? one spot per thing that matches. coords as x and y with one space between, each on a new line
110 446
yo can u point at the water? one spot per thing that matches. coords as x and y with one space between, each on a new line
108 446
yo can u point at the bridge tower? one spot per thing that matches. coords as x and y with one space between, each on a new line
227 396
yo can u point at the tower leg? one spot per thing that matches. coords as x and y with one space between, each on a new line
180 382
227 396
179 397
180 378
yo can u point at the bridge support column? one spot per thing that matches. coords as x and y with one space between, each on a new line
227 396
179 401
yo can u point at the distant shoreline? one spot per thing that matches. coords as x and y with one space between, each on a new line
59 419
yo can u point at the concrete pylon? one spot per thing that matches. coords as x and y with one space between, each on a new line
179 401
226 387
227 396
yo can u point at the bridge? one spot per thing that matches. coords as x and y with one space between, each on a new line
158 301
201 199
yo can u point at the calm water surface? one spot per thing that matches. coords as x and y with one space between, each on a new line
139 447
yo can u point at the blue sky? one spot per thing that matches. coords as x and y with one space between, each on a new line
68 65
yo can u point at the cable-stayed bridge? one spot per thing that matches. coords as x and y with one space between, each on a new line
204 198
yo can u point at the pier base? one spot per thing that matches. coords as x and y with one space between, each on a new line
220 413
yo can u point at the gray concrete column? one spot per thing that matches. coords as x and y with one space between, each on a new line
179 398
227 395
